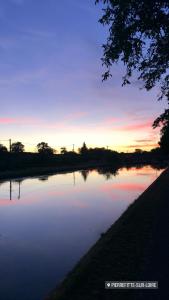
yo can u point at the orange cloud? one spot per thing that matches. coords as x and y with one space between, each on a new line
136 146
144 141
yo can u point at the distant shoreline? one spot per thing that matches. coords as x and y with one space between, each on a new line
39 171
136 247
16 165
49 170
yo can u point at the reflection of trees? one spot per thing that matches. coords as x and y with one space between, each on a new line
18 180
108 172
2 182
43 178
136 166
108 176
85 174
155 165
159 165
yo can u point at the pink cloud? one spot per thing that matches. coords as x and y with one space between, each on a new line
130 186
75 116
65 123
124 187
57 193
135 127
7 202
8 120
21 121
111 120
77 203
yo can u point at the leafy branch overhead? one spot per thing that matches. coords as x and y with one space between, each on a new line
139 37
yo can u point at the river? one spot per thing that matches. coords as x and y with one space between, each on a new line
48 223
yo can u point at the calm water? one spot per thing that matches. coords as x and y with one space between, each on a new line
48 223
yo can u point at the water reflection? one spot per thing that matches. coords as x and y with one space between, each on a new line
44 178
18 181
57 220
107 172
85 174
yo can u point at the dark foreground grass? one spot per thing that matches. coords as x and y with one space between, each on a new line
136 247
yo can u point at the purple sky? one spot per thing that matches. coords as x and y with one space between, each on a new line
50 80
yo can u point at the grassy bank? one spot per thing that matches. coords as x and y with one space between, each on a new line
136 247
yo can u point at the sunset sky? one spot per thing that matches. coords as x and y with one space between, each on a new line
50 81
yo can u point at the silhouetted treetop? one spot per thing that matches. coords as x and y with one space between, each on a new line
83 149
3 148
63 150
139 37
164 121
17 147
164 140
44 148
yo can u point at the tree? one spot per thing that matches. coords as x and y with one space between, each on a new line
164 121
63 150
138 151
83 149
139 37
17 147
164 141
3 148
43 148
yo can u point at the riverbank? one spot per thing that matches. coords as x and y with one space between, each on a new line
51 170
39 171
15 165
136 247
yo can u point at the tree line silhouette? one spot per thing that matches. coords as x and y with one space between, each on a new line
17 158
18 147
44 148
